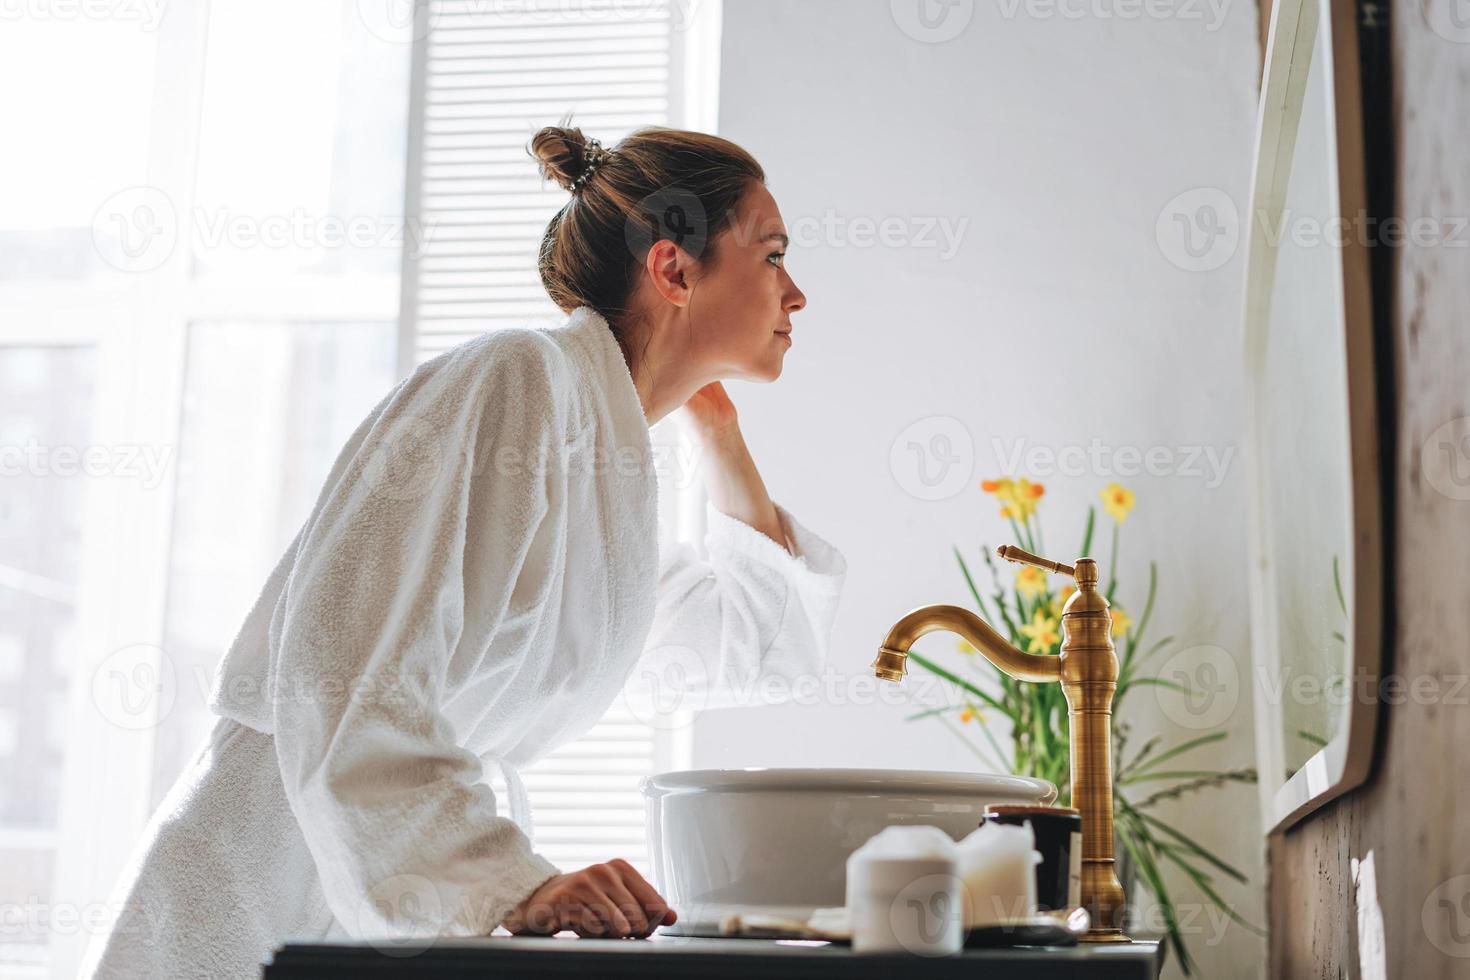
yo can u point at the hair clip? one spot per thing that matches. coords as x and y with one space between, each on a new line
595 156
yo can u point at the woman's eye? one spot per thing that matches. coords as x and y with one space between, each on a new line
778 256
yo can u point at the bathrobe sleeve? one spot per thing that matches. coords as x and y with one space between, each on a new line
428 527
748 625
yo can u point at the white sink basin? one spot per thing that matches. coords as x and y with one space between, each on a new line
776 841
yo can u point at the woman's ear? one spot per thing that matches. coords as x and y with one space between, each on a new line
667 265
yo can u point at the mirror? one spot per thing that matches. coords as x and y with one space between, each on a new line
1315 523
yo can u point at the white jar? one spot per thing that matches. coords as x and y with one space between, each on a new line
905 894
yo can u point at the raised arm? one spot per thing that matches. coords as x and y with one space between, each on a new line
731 480
751 622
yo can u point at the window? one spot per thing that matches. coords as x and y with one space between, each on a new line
486 78
200 262
289 303
200 268
46 396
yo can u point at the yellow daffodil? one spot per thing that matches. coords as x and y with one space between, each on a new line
971 713
1030 580
1117 501
1121 622
1017 497
963 646
1042 631
1059 601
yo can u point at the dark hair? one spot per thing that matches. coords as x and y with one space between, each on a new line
656 183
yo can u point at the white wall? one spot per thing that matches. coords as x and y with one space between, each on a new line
1062 317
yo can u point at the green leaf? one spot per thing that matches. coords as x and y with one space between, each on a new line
1172 774
1130 666
1143 753
1000 602
971 746
971 583
1214 780
1154 879
1021 539
1156 682
1202 881
1178 750
1113 565
934 668
1337 585
1087 533
1136 637
1190 844
1005 617
995 746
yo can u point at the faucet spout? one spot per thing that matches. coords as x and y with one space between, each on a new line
893 654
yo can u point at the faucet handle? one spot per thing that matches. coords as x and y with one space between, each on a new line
1011 553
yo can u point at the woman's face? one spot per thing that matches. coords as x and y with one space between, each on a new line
740 307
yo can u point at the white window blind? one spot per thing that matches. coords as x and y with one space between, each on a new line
486 77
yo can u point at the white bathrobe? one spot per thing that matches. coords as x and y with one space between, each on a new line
480 575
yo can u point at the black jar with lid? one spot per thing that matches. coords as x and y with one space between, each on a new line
1058 831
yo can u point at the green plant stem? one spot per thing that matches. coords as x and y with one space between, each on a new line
1212 781
1113 565
1136 841
1179 750
1024 540
970 581
995 764
934 668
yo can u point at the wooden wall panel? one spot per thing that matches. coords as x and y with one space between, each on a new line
1413 817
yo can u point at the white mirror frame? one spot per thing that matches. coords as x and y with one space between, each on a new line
1346 760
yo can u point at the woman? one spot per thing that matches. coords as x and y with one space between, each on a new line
481 573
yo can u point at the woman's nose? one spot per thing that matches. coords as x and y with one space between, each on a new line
795 300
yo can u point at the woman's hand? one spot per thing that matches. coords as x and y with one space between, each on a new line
608 901
730 476
711 413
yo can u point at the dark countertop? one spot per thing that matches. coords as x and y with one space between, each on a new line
708 959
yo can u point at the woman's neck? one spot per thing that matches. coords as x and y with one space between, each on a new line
664 374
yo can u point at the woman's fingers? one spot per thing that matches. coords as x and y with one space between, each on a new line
611 900
608 907
623 900
645 897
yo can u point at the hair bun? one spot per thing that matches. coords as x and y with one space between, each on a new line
562 154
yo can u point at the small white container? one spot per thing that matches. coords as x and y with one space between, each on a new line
997 863
905 894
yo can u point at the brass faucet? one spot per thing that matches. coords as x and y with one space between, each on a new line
1088 671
